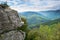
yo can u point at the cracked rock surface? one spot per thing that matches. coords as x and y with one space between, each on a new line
9 21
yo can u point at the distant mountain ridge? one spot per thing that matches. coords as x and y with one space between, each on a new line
52 22
36 18
52 14
30 13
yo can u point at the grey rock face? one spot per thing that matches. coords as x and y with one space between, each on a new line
13 35
9 22
9 19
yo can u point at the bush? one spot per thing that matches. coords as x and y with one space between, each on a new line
4 5
45 32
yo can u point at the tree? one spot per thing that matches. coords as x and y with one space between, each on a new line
4 5
45 32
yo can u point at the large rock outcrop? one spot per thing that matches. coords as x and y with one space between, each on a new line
9 22
9 19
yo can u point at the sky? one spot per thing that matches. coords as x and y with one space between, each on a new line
33 5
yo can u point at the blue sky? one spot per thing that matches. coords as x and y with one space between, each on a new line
33 5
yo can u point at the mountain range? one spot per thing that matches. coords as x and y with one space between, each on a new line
52 22
51 14
37 18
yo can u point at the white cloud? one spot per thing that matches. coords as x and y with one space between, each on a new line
31 8
33 5
51 0
37 7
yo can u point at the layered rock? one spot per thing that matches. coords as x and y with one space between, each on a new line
9 19
9 22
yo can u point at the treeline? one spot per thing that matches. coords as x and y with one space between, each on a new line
45 32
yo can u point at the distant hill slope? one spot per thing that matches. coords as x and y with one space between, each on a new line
52 22
34 19
51 14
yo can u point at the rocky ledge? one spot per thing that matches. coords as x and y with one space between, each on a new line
9 22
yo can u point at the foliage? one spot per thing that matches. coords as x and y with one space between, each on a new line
45 32
24 26
4 5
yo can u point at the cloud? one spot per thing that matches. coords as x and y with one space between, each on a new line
33 5
50 0
31 8
43 5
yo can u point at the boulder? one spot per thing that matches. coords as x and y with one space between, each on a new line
13 35
9 22
9 19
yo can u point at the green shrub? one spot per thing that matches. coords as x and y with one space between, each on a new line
4 5
45 32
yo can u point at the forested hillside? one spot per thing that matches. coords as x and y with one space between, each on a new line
45 32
